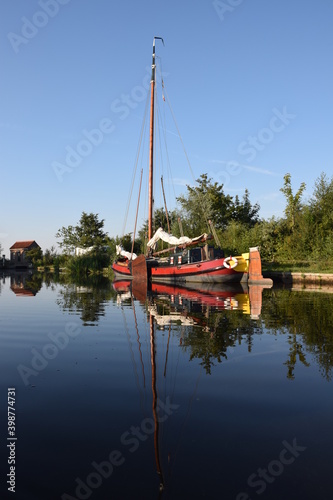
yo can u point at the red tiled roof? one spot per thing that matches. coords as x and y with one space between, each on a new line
22 244
22 292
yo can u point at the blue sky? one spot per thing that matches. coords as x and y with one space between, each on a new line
250 83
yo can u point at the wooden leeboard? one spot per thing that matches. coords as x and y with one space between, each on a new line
139 268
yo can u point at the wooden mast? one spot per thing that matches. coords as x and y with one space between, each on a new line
151 143
155 407
150 235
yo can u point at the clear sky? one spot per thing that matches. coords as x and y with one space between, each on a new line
250 82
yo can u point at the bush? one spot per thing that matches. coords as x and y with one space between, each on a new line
86 264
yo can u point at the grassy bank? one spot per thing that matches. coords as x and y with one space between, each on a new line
323 267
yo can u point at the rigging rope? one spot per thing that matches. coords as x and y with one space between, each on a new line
201 201
164 130
135 166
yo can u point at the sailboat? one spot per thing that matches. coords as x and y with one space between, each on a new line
189 260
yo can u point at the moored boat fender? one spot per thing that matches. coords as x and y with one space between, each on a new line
230 262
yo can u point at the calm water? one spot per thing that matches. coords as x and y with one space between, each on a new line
181 395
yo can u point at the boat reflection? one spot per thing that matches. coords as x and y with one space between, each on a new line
189 315
184 300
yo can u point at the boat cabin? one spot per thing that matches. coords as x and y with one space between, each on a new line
198 254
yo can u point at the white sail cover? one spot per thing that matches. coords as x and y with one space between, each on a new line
82 251
172 240
121 251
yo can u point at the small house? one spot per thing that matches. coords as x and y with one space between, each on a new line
18 252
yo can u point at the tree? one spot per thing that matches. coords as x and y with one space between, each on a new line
321 205
49 256
35 256
88 233
244 211
294 205
206 201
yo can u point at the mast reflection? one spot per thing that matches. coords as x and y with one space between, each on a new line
191 307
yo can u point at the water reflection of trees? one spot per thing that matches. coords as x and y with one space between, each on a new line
304 317
88 296
221 332
215 331
307 318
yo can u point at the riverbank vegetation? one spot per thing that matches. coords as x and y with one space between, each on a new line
301 240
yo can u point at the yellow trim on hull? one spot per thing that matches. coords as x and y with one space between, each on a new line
243 263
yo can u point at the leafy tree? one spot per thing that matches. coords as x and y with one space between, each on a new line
244 211
267 234
89 232
321 205
49 256
305 233
293 206
125 241
35 256
206 201
159 220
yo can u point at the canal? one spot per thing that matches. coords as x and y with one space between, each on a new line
110 392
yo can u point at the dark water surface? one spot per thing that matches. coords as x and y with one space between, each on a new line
181 395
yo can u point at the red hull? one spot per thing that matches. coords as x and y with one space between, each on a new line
208 271
121 286
122 270
220 298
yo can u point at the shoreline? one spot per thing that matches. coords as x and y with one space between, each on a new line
278 277
299 278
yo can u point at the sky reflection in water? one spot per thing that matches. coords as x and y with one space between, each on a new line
183 394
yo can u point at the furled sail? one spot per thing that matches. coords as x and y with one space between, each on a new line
173 240
82 251
123 253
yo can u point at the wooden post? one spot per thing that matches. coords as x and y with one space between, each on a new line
255 273
255 296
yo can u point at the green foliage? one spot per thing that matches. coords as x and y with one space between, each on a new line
160 220
126 242
293 207
308 325
322 203
49 256
83 265
206 201
35 256
88 295
245 212
89 232
305 234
